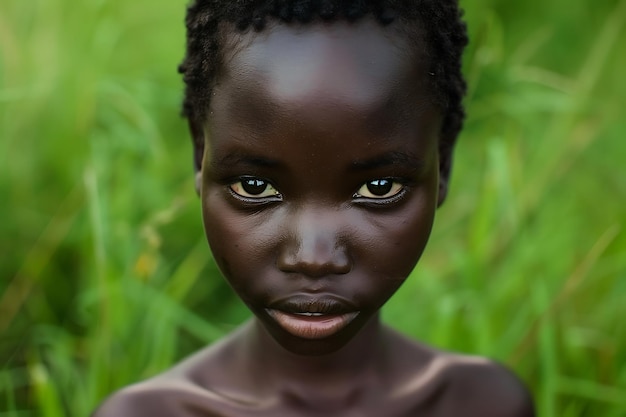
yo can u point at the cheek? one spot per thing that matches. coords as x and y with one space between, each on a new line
239 241
398 240
393 253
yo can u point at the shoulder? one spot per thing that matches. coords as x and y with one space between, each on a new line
440 383
165 395
485 388
196 383
158 397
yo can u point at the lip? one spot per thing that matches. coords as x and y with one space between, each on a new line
311 325
312 318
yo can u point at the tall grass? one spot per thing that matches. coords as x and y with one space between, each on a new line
105 277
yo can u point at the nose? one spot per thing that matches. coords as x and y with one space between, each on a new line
314 247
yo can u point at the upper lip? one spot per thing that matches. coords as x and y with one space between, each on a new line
314 305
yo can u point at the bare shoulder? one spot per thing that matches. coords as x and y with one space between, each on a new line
194 385
482 387
155 397
442 384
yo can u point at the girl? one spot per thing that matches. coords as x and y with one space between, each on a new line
323 135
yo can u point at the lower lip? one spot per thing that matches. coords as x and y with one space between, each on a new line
311 327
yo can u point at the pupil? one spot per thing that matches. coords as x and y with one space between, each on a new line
254 186
379 187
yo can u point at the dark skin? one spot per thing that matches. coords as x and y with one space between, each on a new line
319 185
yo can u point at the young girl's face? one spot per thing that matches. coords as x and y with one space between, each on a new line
320 175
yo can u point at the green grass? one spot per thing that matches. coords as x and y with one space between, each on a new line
105 277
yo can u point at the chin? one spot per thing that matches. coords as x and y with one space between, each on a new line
305 347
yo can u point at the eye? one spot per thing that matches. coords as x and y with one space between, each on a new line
379 189
252 187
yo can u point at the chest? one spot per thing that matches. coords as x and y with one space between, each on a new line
433 403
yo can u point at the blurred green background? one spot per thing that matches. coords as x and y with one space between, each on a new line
105 276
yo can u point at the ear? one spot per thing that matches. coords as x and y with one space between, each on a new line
443 190
445 166
197 137
198 182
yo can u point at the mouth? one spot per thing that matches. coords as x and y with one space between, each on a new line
312 318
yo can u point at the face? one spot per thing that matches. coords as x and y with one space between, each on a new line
319 180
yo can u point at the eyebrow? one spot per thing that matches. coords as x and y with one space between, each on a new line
237 158
394 158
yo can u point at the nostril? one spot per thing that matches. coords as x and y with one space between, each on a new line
314 263
314 244
315 269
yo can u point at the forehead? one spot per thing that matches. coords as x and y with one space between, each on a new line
360 65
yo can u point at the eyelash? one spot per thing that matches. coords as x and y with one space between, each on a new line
401 184
250 199
403 187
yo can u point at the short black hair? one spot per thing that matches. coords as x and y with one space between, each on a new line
440 20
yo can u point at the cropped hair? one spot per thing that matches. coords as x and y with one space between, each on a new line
440 21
